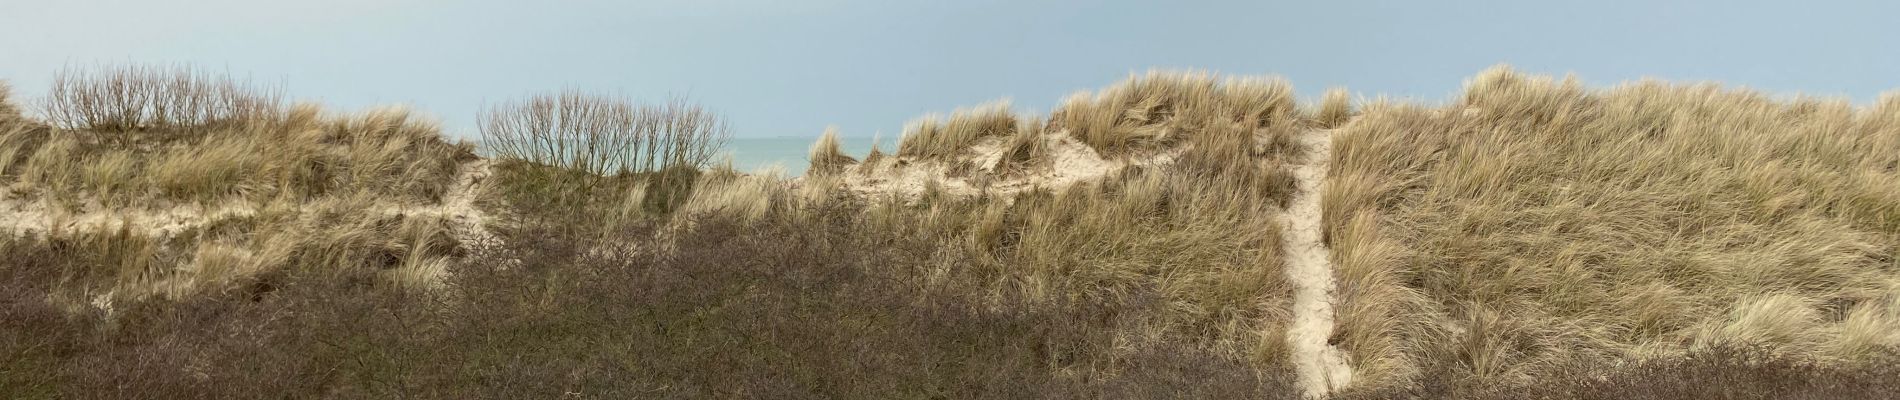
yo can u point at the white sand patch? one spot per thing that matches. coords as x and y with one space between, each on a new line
21 217
1321 367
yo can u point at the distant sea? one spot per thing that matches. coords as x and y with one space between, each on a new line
753 154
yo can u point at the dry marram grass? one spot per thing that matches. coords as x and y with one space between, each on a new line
826 157
1536 223
935 137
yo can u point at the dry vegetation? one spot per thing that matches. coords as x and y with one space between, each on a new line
161 198
1536 224
603 135
1535 239
125 99
290 154
1163 107
826 157
934 137
1198 235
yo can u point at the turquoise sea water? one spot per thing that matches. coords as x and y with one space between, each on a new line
755 154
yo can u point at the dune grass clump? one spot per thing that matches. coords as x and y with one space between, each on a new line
1335 108
1024 148
935 137
876 154
126 98
1166 106
1537 223
9 112
826 157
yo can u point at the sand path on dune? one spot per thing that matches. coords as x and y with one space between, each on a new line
1321 367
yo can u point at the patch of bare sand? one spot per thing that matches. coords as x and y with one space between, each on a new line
1320 366
22 217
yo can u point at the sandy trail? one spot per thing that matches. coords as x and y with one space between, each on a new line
1321 367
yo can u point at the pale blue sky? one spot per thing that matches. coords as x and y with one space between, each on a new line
779 68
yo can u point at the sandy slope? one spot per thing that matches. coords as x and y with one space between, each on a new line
41 216
1321 367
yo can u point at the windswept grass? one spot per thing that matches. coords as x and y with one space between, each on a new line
9 112
18 135
826 157
935 137
303 156
1166 106
1335 108
1536 223
877 153
1025 148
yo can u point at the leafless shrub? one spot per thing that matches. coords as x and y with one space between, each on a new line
135 97
602 134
